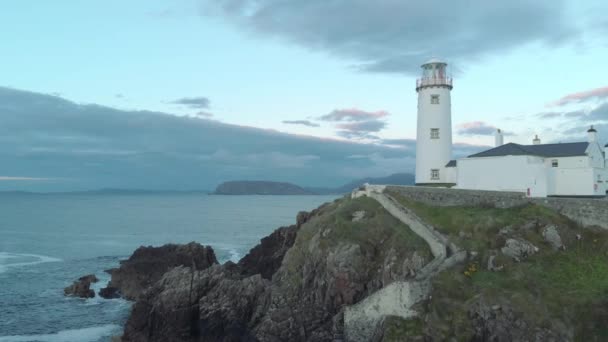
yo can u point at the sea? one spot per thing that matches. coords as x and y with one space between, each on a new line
49 240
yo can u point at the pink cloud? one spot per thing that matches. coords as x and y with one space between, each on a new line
598 93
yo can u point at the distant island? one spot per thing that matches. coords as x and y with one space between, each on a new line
249 187
259 188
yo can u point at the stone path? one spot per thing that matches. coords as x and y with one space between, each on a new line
398 298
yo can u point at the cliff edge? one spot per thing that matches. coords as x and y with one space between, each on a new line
523 273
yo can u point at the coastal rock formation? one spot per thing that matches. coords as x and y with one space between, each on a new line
148 264
306 282
265 258
109 292
299 295
82 287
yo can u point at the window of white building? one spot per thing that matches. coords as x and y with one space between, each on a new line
434 99
435 174
434 133
554 163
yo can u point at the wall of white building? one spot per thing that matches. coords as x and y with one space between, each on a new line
574 176
506 173
451 175
433 153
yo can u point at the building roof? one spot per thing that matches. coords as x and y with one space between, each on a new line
544 150
452 163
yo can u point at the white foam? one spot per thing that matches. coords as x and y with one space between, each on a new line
91 334
41 259
234 255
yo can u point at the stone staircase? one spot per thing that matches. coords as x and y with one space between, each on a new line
398 298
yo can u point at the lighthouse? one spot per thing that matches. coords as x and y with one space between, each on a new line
434 132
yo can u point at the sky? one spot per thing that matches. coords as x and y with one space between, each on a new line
136 93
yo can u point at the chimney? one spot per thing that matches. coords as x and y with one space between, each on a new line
498 138
536 140
592 134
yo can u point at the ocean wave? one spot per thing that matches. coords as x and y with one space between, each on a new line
90 334
234 255
5 257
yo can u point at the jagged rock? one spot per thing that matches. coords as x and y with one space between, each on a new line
148 264
266 257
518 249
501 323
358 215
492 266
109 292
216 304
412 265
551 235
82 287
530 225
506 230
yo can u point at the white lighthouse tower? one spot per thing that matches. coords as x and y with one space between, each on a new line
434 135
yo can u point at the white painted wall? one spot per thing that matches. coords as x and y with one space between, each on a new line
451 175
433 153
573 182
507 173
594 151
568 162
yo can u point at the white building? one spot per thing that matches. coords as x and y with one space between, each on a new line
539 170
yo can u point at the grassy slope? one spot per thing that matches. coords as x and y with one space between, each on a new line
570 286
376 234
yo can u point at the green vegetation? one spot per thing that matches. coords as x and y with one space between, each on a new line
376 234
395 328
568 286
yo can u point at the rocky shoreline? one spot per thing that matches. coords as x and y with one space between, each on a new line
322 279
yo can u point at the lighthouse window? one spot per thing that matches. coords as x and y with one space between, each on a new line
554 163
434 174
434 99
434 133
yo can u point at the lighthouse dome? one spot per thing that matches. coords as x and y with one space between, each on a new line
434 60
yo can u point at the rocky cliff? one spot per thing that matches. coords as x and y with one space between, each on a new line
529 274
148 264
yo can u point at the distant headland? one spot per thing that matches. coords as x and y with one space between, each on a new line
250 187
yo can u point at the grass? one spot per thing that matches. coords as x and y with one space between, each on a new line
377 234
396 327
570 286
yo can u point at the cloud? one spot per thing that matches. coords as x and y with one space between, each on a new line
94 146
597 93
478 128
5 178
405 143
301 122
204 114
361 129
549 115
352 114
397 36
192 102
575 114
599 113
